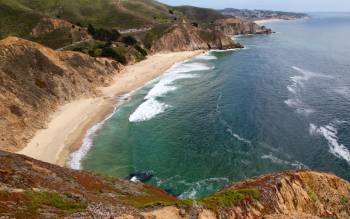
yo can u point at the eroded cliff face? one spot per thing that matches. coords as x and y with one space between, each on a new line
34 189
34 80
236 26
184 36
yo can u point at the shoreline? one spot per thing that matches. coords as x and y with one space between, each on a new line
263 21
68 126
269 20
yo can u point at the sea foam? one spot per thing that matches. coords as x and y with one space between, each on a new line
151 106
277 160
76 157
330 133
147 110
206 56
298 82
203 185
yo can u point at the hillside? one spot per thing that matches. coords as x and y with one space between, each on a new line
34 189
101 13
75 25
254 15
21 17
200 15
32 88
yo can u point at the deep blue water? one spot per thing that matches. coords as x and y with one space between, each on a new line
281 103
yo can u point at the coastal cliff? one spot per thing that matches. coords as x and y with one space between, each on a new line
34 189
35 80
236 26
184 36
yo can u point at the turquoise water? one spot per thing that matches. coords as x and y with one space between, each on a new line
281 103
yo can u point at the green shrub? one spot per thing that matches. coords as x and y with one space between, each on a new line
114 54
141 50
129 40
36 199
103 34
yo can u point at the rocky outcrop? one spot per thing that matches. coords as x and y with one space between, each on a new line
293 194
34 80
34 189
184 36
236 26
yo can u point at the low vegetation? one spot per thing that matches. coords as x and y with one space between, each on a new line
32 202
228 198
117 50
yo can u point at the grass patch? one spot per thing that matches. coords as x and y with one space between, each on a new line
344 200
29 204
214 202
312 194
229 198
185 203
37 199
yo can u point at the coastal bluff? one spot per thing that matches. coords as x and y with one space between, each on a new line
33 189
35 80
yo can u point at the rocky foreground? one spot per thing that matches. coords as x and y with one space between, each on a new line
34 189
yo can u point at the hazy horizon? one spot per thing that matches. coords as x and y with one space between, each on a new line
295 5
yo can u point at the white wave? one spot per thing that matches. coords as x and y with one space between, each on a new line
225 50
76 157
298 82
239 138
230 131
151 107
277 160
205 184
206 56
330 132
147 110
228 128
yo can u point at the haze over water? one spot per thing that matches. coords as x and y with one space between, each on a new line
281 103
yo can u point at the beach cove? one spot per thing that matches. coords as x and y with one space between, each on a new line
69 124
228 116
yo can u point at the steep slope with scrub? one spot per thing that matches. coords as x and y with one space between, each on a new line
34 189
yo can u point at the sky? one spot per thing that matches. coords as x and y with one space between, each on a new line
285 5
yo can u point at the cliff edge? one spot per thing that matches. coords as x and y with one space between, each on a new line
34 189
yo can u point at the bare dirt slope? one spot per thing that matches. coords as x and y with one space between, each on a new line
34 80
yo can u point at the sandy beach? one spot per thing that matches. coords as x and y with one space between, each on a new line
263 21
68 125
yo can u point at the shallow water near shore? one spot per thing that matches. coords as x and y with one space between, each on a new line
281 103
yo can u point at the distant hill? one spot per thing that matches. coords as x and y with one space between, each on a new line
253 15
200 15
19 17
76 25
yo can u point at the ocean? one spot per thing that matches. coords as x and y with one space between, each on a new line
282 102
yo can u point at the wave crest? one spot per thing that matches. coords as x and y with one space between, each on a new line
151 107
330 133
298 82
